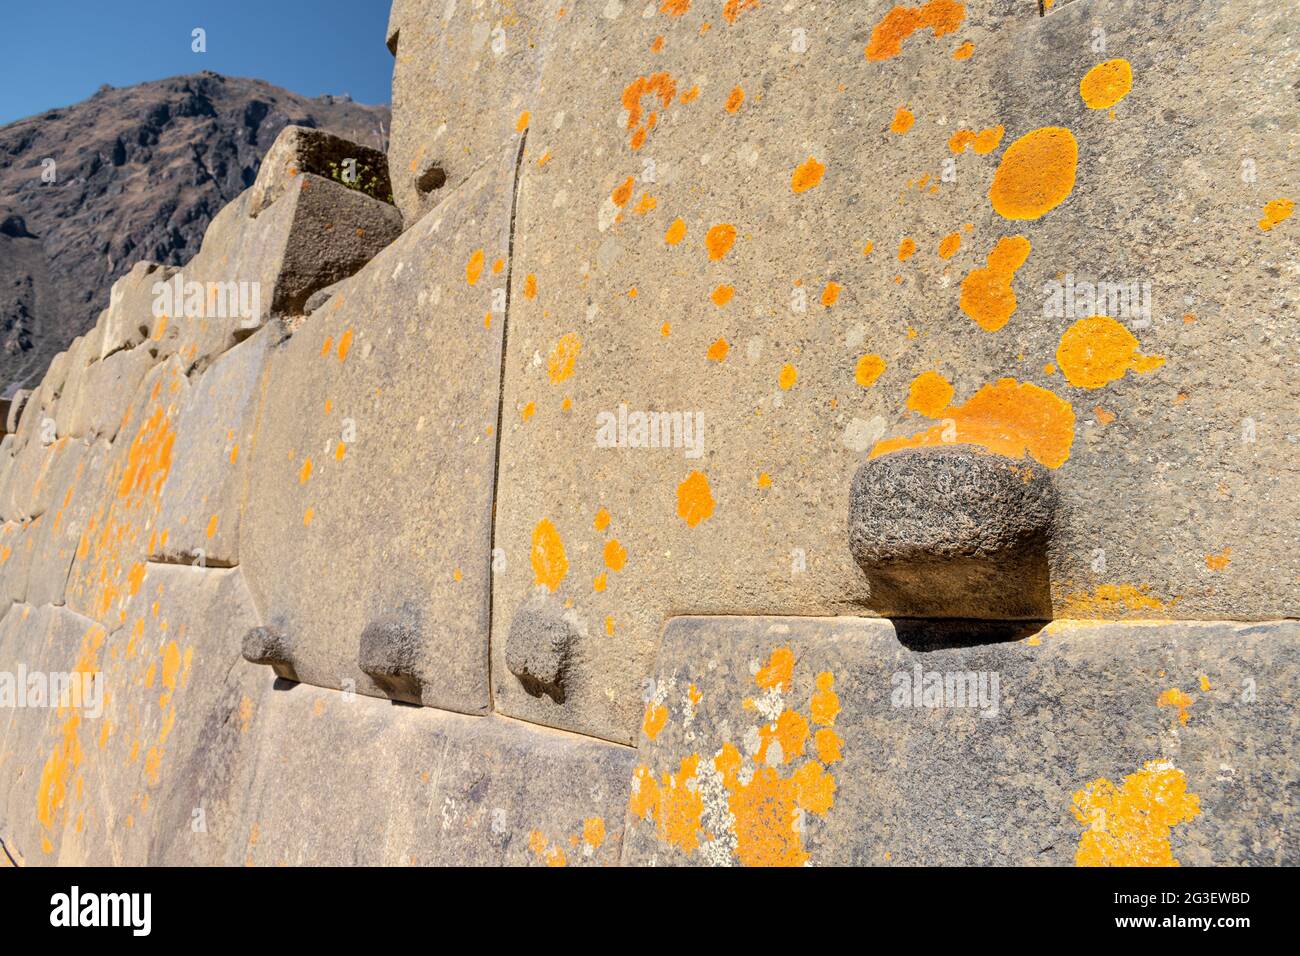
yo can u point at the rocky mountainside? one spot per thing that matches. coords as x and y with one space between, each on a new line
138 173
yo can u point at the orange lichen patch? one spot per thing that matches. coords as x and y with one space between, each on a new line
660 85
814 788
906 248
722 295
657 44
593 832
734 99
644 204
601 521
675 8
530 286
825 705
1106 84
1217 562
56 782
559 366
930 394
718 351
778 672
829 745
1205 682
304 472
734 8
676 232
1098 350
940 16
645 792
866 250
615 555
1276 211
903 120
212 527
964 52
868 369
766 814
521 124
986 293
655 719
307 516
764 480
600 582
1007 418
789 375
622 192
983 142
807 175
1129 825
1104 417
549 562
789 730
720 239
1036 174
345 344
830 293
694 499
474 267
1111 600
1173 697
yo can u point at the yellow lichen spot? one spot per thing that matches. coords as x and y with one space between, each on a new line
593 832
790 731
1129 825
549 562
1217 562
869 368
609 625
930 394
778 672
789 375
949 245
1036 174
964 52
1205 682
559 366
734 100
831 293
528 411
722 295
1098 350
906 248
1173 697
825 704
655 719
521 124
764 480
676 232
307 516
717 351
212 527
622 192
530 286
866 249
615 555
983 142
1007 418
645 204
903 120
814 788
940 16
474 267
766 815
1110 601
694 499
720 239
304 472
986 294
1276 211
829 745
601 521
1106 84
806 175
345 344
599 582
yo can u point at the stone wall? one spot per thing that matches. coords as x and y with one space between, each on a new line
758 434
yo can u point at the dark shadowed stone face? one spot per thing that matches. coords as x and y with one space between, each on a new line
389 653
537 647
953 532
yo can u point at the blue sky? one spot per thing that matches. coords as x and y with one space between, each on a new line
57 53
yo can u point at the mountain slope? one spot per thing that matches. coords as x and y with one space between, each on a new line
140 171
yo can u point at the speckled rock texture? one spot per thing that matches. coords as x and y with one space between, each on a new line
755 433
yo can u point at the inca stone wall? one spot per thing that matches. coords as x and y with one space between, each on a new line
756 433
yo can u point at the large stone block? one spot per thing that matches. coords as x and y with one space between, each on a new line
465 77
299 149
798 741
106 390
122 529
129 317
804 275
455 790
77 484
375 454
204 494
